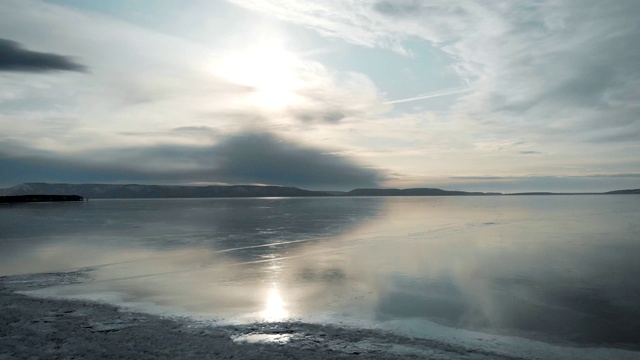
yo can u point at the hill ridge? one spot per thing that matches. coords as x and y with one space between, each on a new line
130 191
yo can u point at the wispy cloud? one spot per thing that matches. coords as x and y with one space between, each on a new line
530 152
564 65
431 95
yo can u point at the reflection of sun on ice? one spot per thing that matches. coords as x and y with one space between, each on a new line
269 69
275 307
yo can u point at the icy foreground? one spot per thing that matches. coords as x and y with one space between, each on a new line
32 327
51 328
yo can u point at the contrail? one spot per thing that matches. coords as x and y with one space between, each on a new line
431 95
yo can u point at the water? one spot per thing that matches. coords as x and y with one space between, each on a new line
561 269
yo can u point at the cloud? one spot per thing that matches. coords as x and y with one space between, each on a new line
134 84
15 58
430 95
141 97
333 18
545 68
193 129
582 183
530 152
268 159
245 158
555 76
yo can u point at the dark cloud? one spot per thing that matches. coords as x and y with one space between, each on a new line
267 159
16 170
241 159
15 58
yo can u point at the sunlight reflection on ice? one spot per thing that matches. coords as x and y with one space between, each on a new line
275 307
264 338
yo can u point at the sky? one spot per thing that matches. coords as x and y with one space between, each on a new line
538 95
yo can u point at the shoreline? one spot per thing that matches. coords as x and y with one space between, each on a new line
61 328
32 326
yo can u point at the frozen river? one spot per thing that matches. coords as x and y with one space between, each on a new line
561 270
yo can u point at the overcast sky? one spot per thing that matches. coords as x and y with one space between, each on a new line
332 94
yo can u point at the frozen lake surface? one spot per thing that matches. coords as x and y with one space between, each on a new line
554 272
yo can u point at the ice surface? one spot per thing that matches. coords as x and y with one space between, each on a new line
552 276
32 321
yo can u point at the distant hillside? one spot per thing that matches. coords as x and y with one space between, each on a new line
109 191
628 191
132 191
411 192
546 193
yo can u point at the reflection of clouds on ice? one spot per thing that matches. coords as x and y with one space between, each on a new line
432 258
243 228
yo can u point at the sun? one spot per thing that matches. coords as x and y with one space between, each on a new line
267 68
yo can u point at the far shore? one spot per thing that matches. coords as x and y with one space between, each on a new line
39 192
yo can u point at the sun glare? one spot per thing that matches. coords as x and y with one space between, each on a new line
275 307
269 69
